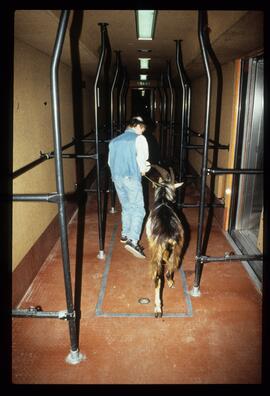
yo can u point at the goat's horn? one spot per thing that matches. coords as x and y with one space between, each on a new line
164 173
172 174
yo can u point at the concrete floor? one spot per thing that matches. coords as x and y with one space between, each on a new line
212 339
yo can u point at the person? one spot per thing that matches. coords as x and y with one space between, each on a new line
128 161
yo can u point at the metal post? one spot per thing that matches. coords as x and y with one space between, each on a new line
112 190
101 254
199 263
124 95
183 116
161 118
164 119
121 107
171 137
74 356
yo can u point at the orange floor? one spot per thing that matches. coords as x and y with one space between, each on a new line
212 339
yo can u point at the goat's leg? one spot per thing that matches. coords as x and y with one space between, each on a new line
158 311
169 277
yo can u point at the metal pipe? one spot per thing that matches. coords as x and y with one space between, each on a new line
52 197
188 109
228 257
182 131
164 119
198 146
59 172
227 171
197 205
29 166
171 140
201 135
125 97
161 118
201 30
79 156
100 64
34 312
43 157
116 73
121 109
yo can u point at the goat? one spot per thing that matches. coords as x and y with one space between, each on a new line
165 234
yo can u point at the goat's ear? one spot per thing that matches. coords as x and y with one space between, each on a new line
176 185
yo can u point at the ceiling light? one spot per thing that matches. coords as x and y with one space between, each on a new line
145 24
144 63
144 50
143 77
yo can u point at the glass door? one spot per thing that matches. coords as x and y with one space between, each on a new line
246 212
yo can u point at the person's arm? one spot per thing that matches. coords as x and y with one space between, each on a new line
142 154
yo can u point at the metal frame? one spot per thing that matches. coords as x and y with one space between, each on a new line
170 142
58 197
112 124
74 356
200 259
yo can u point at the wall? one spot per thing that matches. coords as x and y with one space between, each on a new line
32 134
198 100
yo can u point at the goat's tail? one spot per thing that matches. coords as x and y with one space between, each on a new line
166 252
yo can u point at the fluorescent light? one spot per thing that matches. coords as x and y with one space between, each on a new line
145 24
143 77
144 63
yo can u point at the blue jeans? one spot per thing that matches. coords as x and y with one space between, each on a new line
130 194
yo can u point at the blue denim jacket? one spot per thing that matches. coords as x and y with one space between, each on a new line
122 155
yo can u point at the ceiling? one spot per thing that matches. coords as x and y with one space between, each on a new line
233 34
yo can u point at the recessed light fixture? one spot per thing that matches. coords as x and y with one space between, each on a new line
144 50
145 24
143 77
144 63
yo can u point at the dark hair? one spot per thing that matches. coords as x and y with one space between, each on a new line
134 121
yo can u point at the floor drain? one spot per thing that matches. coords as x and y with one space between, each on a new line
144 300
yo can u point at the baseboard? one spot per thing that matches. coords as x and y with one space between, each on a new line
27 269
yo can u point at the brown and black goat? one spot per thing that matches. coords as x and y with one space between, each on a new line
165 234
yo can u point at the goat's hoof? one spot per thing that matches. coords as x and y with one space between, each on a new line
158 314
171 284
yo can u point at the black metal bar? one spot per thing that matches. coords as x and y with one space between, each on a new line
228 257
198 146
43 157
36 313
188 110
116 74
95 190
100 64
59 172
125 96
52 197
197 205
227 171
171 138
161 117
182 130
81 156
121 107
163 141
27 167
201 135
94 140
202 26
